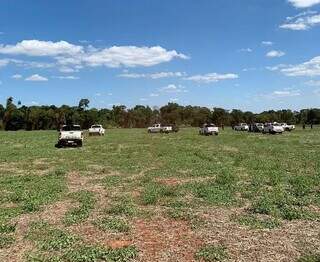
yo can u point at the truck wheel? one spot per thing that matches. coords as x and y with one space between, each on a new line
79 144
216 134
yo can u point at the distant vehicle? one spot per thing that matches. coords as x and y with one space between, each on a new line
241 127
287 127
273 128
70 135
256 127
97 130
209 129
158 128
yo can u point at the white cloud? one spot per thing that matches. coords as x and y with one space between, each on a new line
303 3
154 95
143 99
173 100
249 50
302 21
282 93
4 62
70 57
310 68
172 88
267 43
16 76
36 78
154 75
313 83
67 77
275 53
211 77
131 56
41 48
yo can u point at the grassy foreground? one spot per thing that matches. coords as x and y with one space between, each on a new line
132 196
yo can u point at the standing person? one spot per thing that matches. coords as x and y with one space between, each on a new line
222 126
304 126
311 125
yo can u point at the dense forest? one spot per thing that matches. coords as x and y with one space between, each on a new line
15 116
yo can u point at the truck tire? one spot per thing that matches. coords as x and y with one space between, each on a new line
216 134
79 144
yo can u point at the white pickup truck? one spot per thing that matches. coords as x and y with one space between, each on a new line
273 128
96 130
287 127
70 135
209 129
241 127
158 128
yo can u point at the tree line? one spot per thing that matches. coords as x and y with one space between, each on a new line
15 116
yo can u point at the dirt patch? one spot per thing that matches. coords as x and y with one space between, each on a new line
161 239
92 235
77 182
244 244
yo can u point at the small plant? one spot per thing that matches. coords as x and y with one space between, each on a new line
7 228
309 257
113 224
87 201
49 238
124 207
6 240
258 223
212 253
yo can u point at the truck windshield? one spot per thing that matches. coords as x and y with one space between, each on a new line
71 128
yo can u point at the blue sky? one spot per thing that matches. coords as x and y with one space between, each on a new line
249 54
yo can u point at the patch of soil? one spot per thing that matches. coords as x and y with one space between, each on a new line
162 239
244 244
92 235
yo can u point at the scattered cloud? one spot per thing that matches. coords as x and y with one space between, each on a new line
275 53
143 99
313 83
248 50
310 68
173 100
4 62
304 3
154 95
249 69
153 75
302 21
211 77
16 76
286 93
67 77
282 93
69 55
41 48
267 43
172 88
276 67
36 78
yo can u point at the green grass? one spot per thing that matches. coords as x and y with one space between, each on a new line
182 176
115 224
86 202
212 253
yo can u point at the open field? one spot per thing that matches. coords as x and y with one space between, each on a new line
132 196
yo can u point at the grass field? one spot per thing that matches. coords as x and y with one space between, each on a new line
132 196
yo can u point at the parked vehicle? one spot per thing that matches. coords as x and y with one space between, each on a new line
96 130
287 127
158 128
70 135
241 127
209 129
273 128
256 127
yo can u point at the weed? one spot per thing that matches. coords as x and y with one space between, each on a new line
212 253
